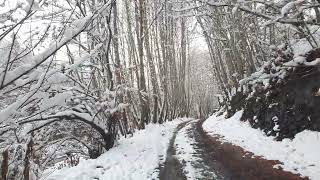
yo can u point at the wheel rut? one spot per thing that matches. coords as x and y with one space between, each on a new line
207 167
214 160
172 169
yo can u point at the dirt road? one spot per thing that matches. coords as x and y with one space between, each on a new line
215 161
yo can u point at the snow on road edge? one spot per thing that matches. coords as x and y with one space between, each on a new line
300 155
136 157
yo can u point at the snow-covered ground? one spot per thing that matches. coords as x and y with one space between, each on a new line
300 155
135 158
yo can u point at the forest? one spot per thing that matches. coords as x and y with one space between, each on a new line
159 89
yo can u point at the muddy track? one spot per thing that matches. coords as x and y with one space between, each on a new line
204 151
220 161
241 163
172 169
209 167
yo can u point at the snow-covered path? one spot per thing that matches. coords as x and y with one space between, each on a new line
172 151
134 158
196 155
176 150
189 158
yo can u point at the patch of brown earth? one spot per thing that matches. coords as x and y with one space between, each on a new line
241 164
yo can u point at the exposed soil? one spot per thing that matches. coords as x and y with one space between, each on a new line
209 167
241 163
220 161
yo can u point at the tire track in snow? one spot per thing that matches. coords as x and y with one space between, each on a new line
187 157
197 160
172 168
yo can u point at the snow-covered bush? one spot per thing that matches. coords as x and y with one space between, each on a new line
282 96
47 113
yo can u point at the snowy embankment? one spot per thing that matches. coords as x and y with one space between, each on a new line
300 155
137 157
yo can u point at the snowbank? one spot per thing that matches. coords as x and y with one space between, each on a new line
134 158
300 155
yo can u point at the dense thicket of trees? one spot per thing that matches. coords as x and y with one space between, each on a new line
74 74
243 35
